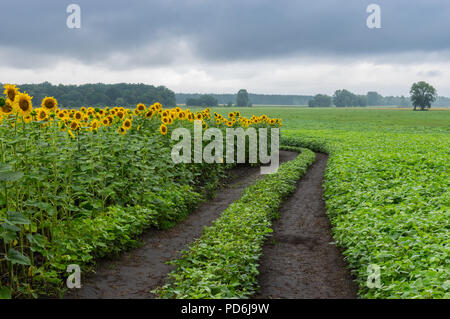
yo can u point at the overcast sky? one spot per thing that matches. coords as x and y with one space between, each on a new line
265 46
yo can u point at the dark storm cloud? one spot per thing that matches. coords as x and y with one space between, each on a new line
158 32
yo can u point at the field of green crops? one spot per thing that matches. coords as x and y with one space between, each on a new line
387 192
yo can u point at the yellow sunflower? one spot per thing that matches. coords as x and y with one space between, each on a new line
149 114
95 125
49 104
74 125
127 124
78 115
11 91
105 121
120 114
163 129
41 115
122 131
165 119
8 108
23 104
141 107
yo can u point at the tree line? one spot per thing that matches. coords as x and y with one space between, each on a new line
100 95
122 94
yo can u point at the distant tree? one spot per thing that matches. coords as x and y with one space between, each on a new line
192 102
320 100
120 101
343 98
242 98
404 102
207 101
360 100
202 100
374 99
422 95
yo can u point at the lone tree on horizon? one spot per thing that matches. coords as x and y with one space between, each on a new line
422 95
242 98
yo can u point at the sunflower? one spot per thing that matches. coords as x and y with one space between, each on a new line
163 129
105 121
74 125
165 119
199 116
120 114
141 107
95 124
204 126
127 124
71 134
41 115
61 115
27 118
11 91
78 115
8 108
23 104
149 114
182 115
122 131
230 123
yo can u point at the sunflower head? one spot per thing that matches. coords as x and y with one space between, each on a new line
61 115
41 115
23 104
74 125
141 107
122 131
7 108
10 91
163 129
149 114
120 114
95 125
105 121
127 124
49 104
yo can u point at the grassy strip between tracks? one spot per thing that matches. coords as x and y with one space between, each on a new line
223 262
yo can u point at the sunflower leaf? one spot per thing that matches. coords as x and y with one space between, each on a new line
16 257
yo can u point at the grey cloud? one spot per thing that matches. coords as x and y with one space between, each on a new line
430 73
150 32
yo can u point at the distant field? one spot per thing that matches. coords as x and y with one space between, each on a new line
349 118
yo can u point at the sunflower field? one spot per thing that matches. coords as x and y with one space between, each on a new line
80 184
